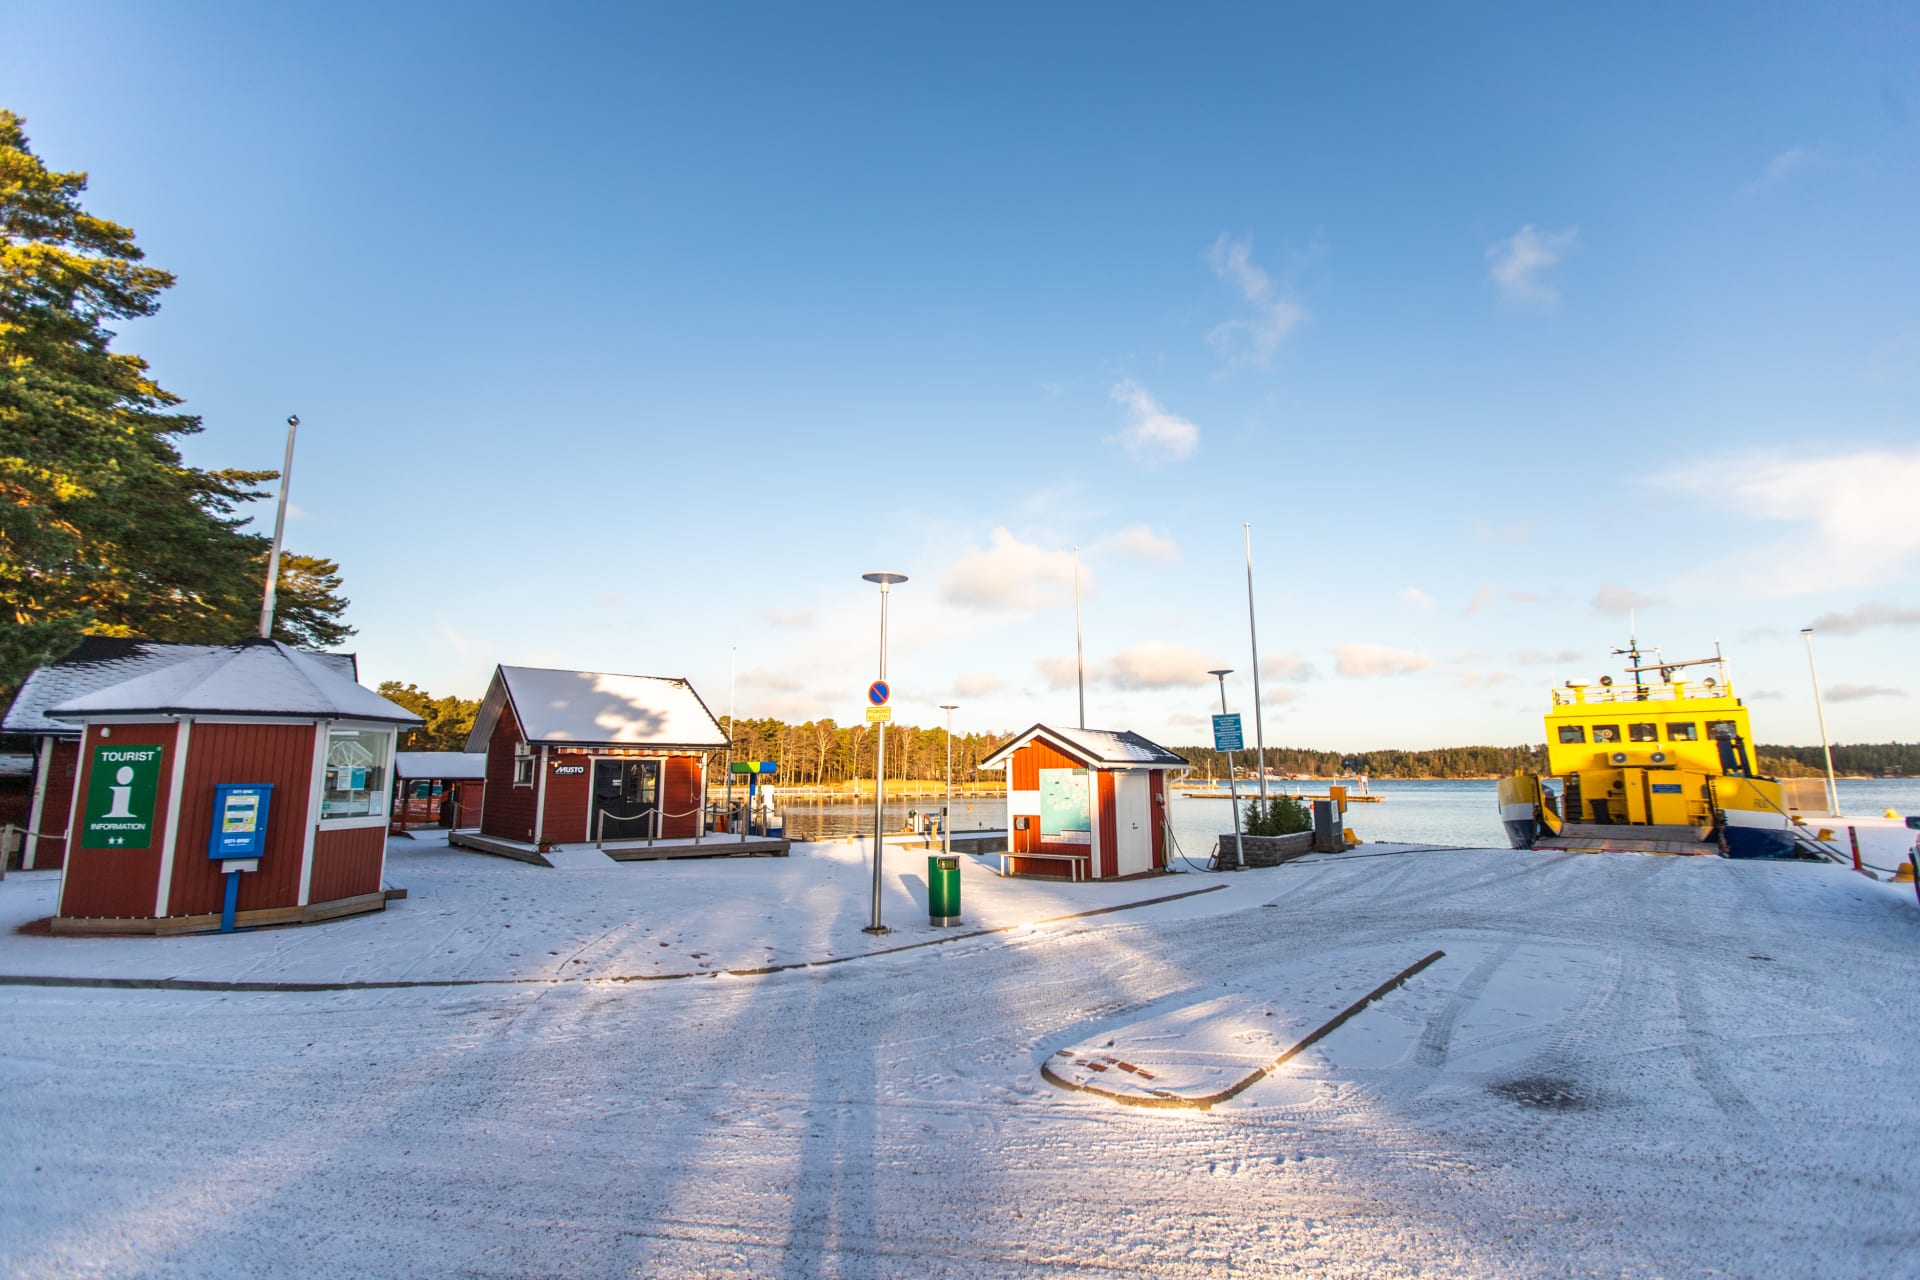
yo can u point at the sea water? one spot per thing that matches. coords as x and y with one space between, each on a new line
1437 812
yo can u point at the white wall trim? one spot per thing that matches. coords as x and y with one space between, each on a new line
30 848
316 792
169 841
540 798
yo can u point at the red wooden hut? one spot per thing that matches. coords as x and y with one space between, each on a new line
96 663
574 756
154 747
1085 804
438 788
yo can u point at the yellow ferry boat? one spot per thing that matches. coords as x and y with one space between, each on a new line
1659 765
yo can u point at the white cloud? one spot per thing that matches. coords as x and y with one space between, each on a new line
1485 596
1416 597
1286 666
1466 655
1780 168
1855 512
1158 665
1152 665
1059 673
1866 616
1472 679
1138 542
1011 575
1857 692
1154 436
976 686
1358 658
1619 600
787 617
772 681
1534 657
1252 339
1517 264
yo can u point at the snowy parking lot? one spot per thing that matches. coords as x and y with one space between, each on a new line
1620 1066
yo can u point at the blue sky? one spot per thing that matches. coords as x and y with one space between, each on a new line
626 339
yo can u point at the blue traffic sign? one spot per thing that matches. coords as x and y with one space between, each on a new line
878 693
1226 733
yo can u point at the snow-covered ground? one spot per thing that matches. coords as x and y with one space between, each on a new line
1620 1066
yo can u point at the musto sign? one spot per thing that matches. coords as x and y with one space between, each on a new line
120 794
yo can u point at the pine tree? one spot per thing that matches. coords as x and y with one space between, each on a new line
104 529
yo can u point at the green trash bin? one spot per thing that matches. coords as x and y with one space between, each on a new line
943 889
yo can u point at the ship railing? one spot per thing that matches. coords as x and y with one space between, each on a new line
1677 691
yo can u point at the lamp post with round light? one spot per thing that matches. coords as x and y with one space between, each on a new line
886 581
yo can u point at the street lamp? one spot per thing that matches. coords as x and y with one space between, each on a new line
886 581
946 819
1833 787
279 528
1233 783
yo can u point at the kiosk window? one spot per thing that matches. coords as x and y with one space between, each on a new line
1572 733
523 771
1723 729
356 779
1606 733
1682 731
1643 733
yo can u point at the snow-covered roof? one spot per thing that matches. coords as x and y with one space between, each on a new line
597 708
1108 748
99 662
253 678
440 764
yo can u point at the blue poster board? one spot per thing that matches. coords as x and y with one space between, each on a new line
1226 733
1066 806
239 819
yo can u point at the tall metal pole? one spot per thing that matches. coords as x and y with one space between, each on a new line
1259 724
946 819
886 581
279 529
1233 783
1833 786
1079 659
733 665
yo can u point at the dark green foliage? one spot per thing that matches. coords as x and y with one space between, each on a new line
1280 816
1871 759
448 720
104 529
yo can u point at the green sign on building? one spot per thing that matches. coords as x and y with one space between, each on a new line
120 795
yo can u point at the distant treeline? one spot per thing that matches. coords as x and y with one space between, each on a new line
1873 759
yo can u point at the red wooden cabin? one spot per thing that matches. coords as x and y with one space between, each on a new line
150 752
1085 804
577 756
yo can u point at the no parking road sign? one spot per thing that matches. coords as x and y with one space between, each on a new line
878 693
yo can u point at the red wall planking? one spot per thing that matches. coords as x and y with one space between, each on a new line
681 794
119 882
509 809
281 754
569 797
63 773
347 864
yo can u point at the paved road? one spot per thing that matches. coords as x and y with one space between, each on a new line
1624 1066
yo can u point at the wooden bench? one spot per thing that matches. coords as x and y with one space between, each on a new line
1076 862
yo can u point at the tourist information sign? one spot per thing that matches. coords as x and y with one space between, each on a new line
1226 733
120 795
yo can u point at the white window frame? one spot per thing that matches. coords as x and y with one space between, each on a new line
385 793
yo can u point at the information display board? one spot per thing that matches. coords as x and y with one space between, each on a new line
239 819
1066 807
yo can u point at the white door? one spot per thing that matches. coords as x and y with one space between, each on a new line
1133 823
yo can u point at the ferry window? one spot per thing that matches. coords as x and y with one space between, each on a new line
1722 729
1643 733
1682 731
1606 733
1572 733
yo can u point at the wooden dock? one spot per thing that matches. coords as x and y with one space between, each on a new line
1253 793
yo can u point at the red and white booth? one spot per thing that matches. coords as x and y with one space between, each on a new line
156 750
1085 804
